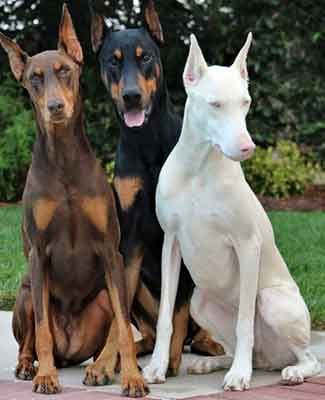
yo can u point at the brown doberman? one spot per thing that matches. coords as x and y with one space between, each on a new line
75 282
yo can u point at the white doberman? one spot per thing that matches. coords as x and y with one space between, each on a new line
244 296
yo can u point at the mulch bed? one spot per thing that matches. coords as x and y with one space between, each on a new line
312 200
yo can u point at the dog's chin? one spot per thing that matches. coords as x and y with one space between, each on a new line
237 158
60 119
136 119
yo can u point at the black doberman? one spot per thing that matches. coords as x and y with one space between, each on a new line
132 72
76 282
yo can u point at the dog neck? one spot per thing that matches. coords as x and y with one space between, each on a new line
63 146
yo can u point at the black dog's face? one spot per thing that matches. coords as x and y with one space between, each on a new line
131 71
130 65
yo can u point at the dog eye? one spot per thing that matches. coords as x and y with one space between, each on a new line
146 58
63 72
36 80
216 104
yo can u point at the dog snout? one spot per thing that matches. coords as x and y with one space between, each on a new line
247 147
55 106
132 98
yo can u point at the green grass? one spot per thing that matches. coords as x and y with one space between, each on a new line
300 237
12 261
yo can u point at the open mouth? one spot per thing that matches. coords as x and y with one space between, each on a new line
136 118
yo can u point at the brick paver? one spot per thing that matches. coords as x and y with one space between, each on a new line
313 389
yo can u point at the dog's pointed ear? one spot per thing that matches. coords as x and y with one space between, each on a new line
152 21
68 41
97 28
195 66
240 63
17 57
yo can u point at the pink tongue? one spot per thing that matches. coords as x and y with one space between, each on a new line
134 118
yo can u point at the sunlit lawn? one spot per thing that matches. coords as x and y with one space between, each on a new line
300 237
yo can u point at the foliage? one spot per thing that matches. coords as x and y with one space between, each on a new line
110 170
286 62
17 134
279 171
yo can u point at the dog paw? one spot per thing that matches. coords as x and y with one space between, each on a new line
172 372
203 366
47 384
237 380
154 373
292 375
134 386
25 370
97 375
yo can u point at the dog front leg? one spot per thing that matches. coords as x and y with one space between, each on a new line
133 384
46 380
239 375
102 371
155 372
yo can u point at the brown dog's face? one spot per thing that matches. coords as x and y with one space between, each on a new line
52 81
52 77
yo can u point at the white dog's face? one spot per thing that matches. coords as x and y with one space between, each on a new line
220 101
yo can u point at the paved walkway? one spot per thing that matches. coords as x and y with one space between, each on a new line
265 384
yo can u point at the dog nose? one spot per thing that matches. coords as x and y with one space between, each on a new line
131 98
55 106
247 148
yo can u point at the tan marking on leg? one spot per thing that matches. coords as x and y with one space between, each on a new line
43 212
24 331
180 325
157 68
120 339
127 189
148 302
46 380
96 210
204 344
146 344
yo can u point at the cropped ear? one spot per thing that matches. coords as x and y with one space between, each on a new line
152 21
68 41
195 66
17 57
97 29
240 62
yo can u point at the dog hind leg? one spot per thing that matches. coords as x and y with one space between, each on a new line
24 332
220 322
285 321
306 367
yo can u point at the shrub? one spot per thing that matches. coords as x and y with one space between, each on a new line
16 139
110 170
279 171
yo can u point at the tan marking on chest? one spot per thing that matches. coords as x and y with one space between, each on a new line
139 51
127 189
43 211
95 208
